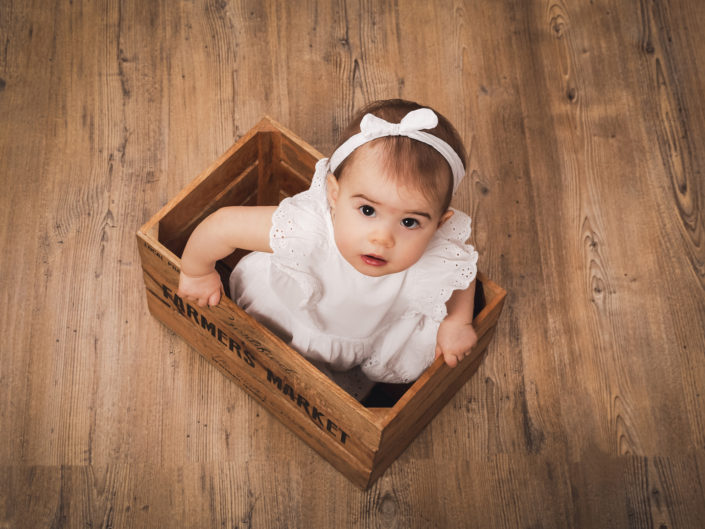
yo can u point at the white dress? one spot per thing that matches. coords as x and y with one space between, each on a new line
310 296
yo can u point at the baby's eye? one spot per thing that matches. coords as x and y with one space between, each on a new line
367 211
410 223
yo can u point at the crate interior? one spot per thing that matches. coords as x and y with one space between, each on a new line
263 170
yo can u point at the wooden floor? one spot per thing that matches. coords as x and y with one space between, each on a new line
585 123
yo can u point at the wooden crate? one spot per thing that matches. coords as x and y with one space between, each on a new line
360 440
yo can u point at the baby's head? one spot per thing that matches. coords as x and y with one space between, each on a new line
406 161
392 178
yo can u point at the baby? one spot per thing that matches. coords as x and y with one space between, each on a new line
369 266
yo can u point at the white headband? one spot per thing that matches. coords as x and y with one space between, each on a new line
372 127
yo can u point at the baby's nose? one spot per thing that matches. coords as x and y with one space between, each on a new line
382 237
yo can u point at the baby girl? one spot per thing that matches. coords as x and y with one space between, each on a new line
369 266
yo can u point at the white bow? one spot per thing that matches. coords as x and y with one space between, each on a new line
412 126
372 126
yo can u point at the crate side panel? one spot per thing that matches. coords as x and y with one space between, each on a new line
494 303
291 181
483 322
437 385
291 380
199 199
239 192
269 152
299 158
245 143
239 189
300 148
284 409
421 410
155 257
438 382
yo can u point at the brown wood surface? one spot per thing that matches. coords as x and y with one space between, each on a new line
585 124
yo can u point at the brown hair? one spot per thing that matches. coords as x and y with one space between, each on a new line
407 160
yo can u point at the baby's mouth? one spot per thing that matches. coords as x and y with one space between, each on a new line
374 260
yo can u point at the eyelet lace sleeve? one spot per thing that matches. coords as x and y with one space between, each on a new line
298 231
449 264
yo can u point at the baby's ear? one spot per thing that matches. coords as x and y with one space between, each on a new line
448 214
332 189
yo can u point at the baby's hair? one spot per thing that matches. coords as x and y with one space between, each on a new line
406 160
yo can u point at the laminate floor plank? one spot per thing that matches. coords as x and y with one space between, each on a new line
585 128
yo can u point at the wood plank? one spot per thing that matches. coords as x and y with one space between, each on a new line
196 198
268 154
584 122
292 182
236 193
296 155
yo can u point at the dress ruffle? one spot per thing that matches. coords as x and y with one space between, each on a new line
448 264
298 230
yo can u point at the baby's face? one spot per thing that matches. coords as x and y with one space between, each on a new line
380 228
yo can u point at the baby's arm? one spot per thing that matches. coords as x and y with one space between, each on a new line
456 335
217 236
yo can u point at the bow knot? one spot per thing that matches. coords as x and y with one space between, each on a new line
372 126
412 126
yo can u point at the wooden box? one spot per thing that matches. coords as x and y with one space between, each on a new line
360 439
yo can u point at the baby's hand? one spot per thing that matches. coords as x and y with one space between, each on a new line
454 340
203 289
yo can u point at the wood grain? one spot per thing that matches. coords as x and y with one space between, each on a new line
585 127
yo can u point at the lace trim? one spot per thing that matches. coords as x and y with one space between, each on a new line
457 228
392 377
291 252
458 265
398 376
292 239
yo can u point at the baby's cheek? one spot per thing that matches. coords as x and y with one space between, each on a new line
345 244
422 246
412 255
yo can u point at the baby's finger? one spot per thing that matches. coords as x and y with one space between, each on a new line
451 360
439 351
214 299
